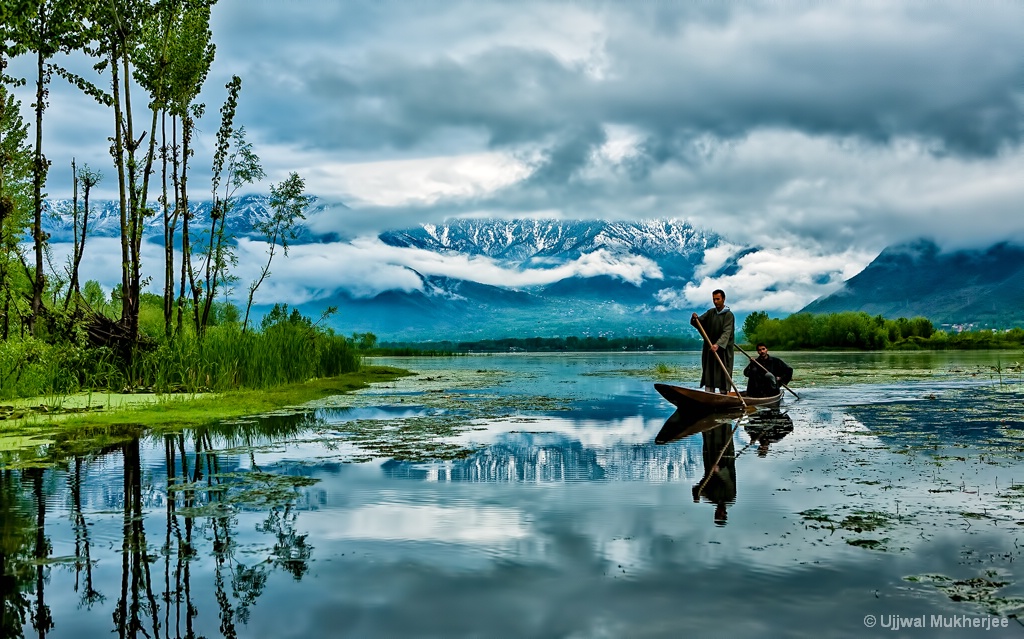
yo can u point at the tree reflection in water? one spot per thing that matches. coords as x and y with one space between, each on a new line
83 555
291 552
135 560
17 534
201 510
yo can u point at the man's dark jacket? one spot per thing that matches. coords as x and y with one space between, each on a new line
762 384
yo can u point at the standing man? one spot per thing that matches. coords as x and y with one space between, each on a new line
720 326
766 373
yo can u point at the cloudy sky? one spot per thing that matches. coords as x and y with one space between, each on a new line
821 131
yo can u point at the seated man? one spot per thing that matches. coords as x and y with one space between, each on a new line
766 373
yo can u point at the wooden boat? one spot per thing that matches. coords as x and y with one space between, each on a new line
696 402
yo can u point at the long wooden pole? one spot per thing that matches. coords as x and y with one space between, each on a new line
766 370
719 360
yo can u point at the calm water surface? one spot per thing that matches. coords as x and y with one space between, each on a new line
545 496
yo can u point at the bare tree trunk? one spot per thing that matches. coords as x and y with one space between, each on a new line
4 212
187 127
73 284
178 197
211 263
168 233
135 206
81 245
126 308
39 281
257 283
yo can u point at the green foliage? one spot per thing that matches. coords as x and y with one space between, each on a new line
228 359
288 202
94 296
190 55
32 367
364 341
833 330
753 320
15 152
288 348
850 330
16 164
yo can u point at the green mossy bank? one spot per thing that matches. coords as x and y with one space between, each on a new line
80 426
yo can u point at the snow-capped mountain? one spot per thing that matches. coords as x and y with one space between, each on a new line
105 217
587 301
538 277
525 240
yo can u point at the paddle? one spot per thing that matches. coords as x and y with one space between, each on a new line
766 370
719 360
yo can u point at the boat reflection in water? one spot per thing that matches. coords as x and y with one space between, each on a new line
717 484
767 427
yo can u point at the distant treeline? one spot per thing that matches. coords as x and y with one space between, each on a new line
541 345
800 331
861 331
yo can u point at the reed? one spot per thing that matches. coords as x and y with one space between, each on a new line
228 359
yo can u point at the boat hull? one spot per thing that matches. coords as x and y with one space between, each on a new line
696 402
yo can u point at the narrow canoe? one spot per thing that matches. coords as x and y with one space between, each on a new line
697 402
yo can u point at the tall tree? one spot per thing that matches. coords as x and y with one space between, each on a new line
15 203
116 33
288 203
56 26
161 40
234 165
190 53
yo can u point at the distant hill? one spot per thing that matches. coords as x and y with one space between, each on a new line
983 288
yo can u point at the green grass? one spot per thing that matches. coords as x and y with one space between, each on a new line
82 432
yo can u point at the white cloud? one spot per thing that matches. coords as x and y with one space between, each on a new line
775 279
366 267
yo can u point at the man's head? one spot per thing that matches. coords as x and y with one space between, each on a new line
762 350
721 516
718 298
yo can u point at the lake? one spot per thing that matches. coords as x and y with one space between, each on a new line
545 496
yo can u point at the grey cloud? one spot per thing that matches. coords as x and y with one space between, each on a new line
840 73
511 96
820 123
567 157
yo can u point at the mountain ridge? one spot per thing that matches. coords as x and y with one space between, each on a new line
965 288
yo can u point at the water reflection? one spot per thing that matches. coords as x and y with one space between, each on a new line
551 520
767 427
202 505
718 484
680 425
717 432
